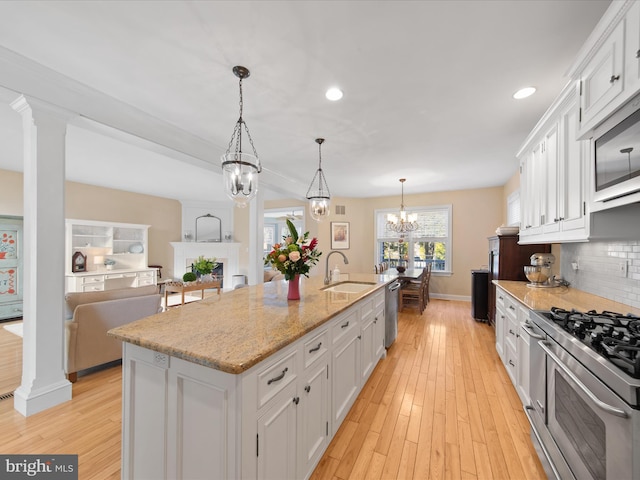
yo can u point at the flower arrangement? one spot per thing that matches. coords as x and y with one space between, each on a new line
295 256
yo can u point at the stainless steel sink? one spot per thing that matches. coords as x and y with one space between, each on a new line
349 287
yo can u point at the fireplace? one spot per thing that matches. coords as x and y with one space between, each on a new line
227 255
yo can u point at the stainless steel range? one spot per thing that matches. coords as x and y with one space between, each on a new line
585 393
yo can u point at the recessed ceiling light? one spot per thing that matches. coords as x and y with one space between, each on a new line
524 92
333 94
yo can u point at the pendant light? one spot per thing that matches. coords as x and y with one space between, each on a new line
318 195
239 169
403 223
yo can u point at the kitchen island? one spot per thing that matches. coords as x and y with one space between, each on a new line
248 384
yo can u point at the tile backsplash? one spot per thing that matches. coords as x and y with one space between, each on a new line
607 269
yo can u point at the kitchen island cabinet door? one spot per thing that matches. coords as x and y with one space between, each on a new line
379 331
367 341
277 437
313 417
172 413
345 365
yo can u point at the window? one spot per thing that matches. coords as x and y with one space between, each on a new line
430 243
513 209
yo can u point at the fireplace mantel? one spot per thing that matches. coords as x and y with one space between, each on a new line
227 253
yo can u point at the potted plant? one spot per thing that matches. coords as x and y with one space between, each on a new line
203 266
189 277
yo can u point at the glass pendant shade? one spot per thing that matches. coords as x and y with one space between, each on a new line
318 193
240 170
240 176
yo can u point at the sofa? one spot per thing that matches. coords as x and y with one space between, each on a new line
272 275
90 315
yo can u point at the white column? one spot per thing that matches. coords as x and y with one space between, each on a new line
256 239
43 380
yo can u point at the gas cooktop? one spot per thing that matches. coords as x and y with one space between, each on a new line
613 335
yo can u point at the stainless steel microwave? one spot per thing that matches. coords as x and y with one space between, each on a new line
616 150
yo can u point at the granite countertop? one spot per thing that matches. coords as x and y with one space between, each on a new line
234 331
563 297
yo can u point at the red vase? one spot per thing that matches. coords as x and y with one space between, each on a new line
294 288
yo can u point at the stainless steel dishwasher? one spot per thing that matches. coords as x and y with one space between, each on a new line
391 313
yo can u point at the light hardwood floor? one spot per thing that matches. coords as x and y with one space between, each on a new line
439 406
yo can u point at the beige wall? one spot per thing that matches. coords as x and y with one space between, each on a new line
88 202
476 215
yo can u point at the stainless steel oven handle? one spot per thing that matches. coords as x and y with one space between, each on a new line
540 442
606 407
531 332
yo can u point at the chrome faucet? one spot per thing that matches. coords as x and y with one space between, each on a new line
326 265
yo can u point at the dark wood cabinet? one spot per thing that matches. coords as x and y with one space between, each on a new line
506 262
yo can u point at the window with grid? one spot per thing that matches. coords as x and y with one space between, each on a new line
429 243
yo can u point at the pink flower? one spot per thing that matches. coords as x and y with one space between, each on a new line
282 258
289 240
294 256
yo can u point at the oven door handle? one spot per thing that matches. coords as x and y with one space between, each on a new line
531 332
604 406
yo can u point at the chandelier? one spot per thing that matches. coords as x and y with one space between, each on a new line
403 223
240 170
318 195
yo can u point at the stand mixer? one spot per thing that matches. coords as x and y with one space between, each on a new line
539 272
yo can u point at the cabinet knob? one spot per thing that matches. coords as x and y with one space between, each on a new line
614 78
511 363
638 54
296 400
359 337
307 388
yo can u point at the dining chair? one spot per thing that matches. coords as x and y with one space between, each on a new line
412 294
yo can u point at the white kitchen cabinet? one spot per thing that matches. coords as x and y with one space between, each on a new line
345 363
367 341
511 334
523 382
632 49
275 420
554 177
125 244
602 80
277 442
608 73
500 321
313 419
379 322
512 342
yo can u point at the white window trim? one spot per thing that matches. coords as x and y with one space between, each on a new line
409 237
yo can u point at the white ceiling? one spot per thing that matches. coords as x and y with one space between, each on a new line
427 88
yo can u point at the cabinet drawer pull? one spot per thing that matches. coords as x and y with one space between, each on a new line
279 377
511 363
296 400
511 332
614 78
307 388
511 307
345 325
316 348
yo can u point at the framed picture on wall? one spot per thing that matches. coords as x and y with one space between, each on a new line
339 235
